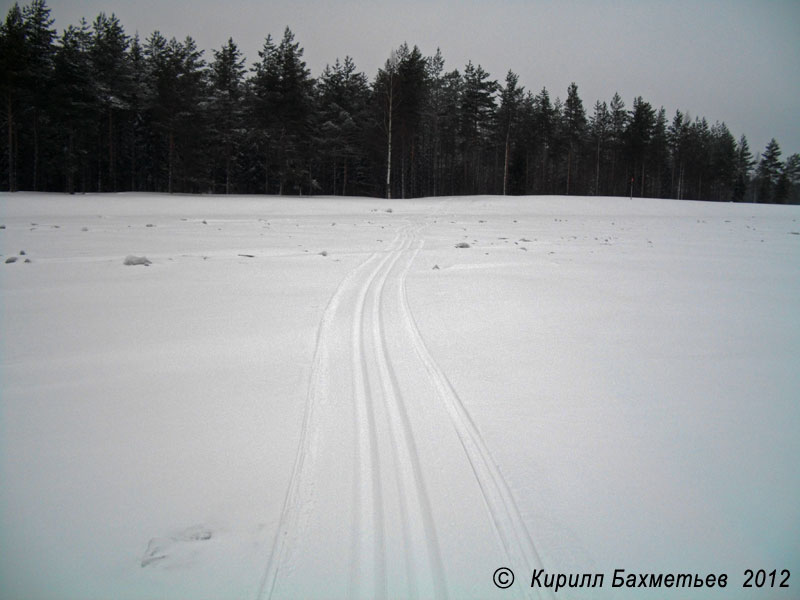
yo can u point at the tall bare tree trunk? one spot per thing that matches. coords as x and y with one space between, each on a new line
597 171
403 171
35 149
266 173
642 184
505 166
569 166
171 160
111 175
12 175
389 149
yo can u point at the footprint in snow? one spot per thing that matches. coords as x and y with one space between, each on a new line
178 547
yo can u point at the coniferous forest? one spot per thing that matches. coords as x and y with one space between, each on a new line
93 109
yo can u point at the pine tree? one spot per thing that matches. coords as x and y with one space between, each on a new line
769 169
442 120
13 68
39 36
75 86
113 82
743 167
659 155
225 106
677 137
282 101
343 95
386 85
723 163
791 175
619 124
599 126
543 133
113 86
511 96
574 120
476 114
413 90
141 100
639 134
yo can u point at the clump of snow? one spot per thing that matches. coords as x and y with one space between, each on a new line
131 260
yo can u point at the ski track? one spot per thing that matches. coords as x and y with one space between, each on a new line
388 480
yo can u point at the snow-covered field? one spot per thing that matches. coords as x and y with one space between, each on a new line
325 397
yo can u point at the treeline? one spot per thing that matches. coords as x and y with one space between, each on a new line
96 110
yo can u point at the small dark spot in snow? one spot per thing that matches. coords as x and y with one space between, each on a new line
388 210
462 245
22 252
205 222
248 255
11 259
84 229
28 260
149 225
794 233
131 260
435 267
2 226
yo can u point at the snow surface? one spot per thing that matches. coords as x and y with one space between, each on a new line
316 397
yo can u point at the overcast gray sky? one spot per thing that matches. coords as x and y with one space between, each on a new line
728 60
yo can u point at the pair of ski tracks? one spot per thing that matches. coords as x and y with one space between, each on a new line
368 542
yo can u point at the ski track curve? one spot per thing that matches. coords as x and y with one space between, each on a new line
394 548
501 506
